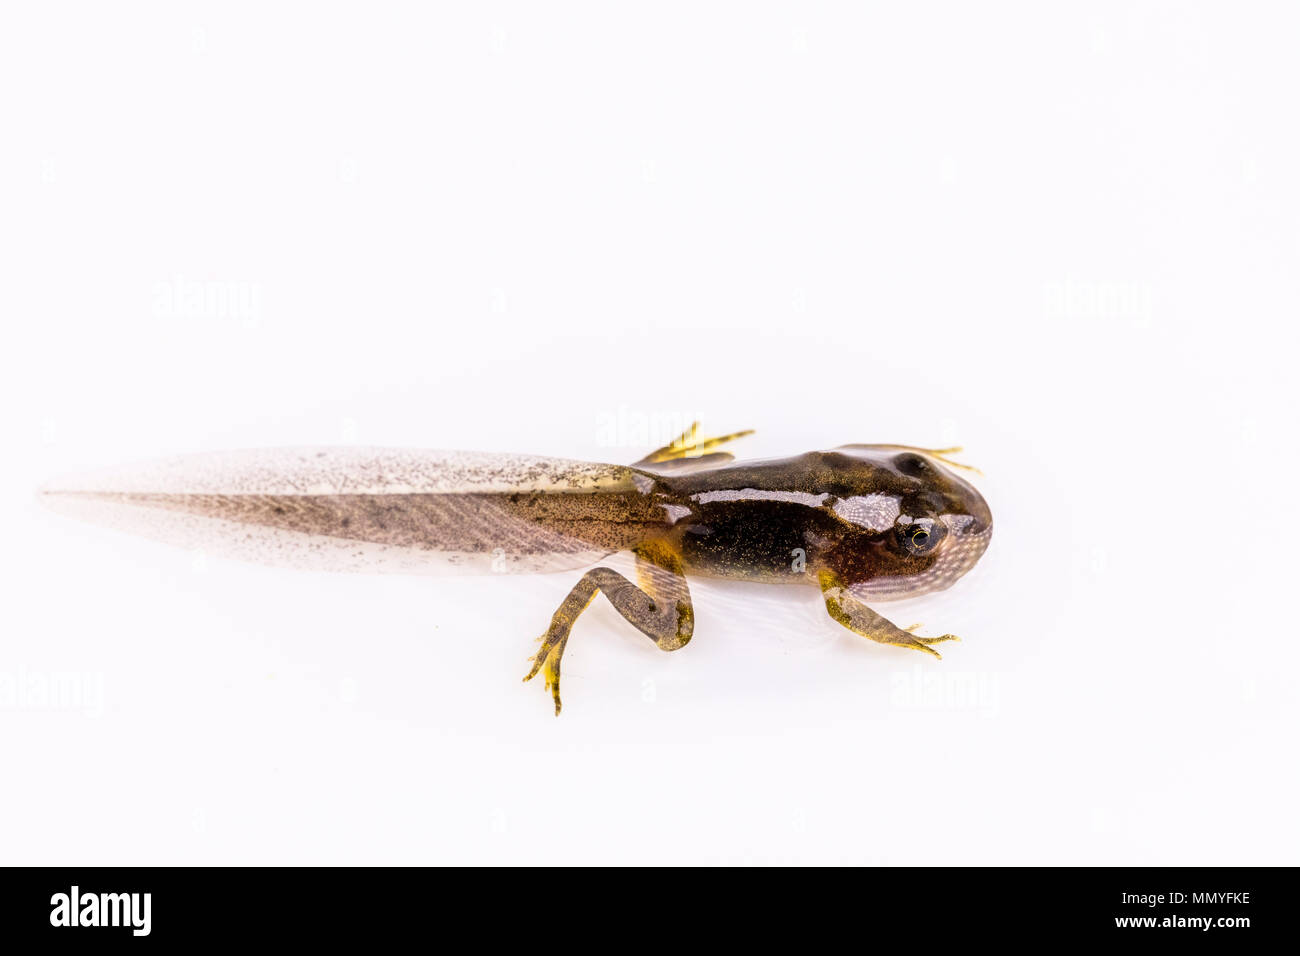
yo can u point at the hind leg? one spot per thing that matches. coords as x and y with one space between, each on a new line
660 608
689 444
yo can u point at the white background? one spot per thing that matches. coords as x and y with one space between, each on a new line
1064 236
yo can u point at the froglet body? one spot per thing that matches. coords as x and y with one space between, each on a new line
861 522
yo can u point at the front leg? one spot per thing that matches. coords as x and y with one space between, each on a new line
660 608
860 619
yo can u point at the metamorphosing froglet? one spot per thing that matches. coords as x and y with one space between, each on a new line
861 522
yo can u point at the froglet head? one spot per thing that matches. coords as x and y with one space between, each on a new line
928 525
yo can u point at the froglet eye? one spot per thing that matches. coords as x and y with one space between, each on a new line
921 536
912 465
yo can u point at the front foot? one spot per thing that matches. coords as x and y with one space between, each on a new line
848 610
910 639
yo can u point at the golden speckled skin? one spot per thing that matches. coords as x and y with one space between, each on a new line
887 522
861 522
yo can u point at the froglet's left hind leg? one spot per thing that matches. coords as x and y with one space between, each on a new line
689 444
860 619
660 608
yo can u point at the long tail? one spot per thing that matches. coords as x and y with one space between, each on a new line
366 509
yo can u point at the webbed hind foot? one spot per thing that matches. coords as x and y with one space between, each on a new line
689 444
660 608
547 661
